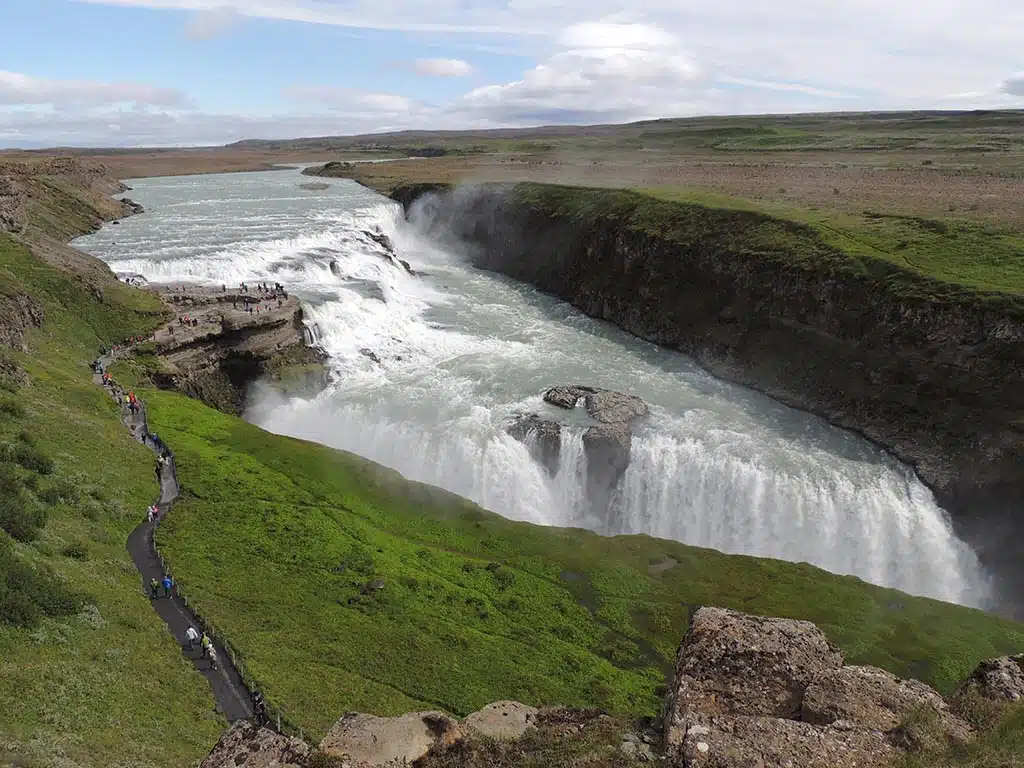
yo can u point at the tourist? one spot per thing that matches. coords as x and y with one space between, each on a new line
167 584
154 588
192 636
211 654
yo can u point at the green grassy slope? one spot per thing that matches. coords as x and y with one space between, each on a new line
942 259
965 253
279 542
105 685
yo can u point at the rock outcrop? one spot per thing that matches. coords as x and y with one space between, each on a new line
367 740
501 720
229 348
1000 681
247 745
543 437
930 372
750 690
608 444
381 239
18 313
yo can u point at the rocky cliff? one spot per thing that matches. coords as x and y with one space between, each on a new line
932 373
221 341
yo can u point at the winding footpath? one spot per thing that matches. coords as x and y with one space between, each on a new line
233 698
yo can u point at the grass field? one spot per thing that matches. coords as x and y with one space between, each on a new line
105 685
342 586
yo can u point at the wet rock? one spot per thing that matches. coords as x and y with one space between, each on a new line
246 745
998 680
607 447
381 239
130 207
541 436
368 740
370 354
608 444
745 742
315 186
502 720
335 268
875 699
731 663
614 407
566 397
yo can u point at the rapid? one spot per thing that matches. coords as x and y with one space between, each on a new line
428 369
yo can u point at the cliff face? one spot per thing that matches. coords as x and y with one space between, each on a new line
229 347
934 375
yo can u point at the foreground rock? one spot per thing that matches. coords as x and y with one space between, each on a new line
739 742
876 699
368 740
246 745
755 691
501 720
733 664
1000 681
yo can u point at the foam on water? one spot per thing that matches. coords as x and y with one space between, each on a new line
461 352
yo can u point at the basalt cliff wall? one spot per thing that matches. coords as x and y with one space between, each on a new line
932 373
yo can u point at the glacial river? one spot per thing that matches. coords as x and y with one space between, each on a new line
460 352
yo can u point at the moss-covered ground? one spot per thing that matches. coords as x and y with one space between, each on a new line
104 685
342 586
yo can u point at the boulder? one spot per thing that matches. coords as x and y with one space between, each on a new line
731 663
130 207
541 436
875 699
566 397
247 745
998 680
502 720
614 407
768 742
603 405
368 740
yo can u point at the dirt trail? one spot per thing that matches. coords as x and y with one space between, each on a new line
233 698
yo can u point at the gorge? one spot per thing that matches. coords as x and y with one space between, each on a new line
444 358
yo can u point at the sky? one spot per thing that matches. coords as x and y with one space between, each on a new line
202 72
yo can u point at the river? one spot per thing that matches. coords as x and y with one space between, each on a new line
460 352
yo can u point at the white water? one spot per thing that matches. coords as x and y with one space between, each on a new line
462 351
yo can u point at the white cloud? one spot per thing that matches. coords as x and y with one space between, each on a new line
354 101
613 72
595 63
442 67
212 23
18 88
